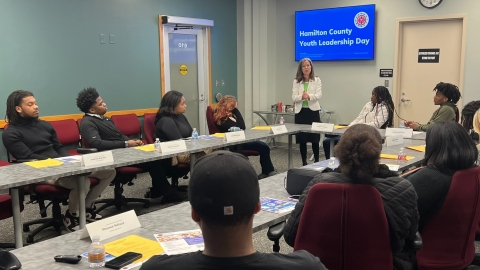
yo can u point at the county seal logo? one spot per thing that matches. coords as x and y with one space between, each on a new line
361 20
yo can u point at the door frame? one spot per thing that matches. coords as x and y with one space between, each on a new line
204 71
397 64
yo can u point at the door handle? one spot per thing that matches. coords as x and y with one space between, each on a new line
404 100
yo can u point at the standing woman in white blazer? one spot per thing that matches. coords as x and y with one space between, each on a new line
306 91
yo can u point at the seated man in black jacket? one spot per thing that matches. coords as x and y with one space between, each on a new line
27 137
100 133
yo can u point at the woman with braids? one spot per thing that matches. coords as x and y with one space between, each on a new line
447 96
468 113
359 154
377 113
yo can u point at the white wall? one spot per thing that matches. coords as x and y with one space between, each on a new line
347 85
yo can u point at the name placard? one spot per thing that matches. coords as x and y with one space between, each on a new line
172 146
323 127
234 136
404 132
95 159
278 129
112 226
393 140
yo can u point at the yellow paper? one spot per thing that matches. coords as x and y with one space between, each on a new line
261 128
340 127
44 163
134 243
390 156
419 148
146 148
219 135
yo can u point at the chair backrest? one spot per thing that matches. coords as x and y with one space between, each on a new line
212 128
82 139
149 127
345 225
67 131
448 238
128 124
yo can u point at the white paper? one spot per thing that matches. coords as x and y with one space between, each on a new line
278 129
181 242
392 167
417 132
234 136
405 132
323 127
100 158
173 146
112 226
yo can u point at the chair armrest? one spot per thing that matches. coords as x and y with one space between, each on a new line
87 150
23 160
275 232
416 243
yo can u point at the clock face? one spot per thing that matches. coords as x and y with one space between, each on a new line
430 3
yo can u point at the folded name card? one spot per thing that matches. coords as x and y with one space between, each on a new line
235 136
112 226
393 140
99 158
278 129
404 132
323 127
172 146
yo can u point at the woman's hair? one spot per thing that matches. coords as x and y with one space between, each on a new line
449 148
468 112
299 76
449 90
167 106
359 152
14 100
383 94
224 109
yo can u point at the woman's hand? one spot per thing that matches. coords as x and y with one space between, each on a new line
305 96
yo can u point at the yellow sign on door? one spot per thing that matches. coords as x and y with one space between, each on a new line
183 69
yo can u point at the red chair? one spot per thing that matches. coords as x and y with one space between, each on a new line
448 238
345 225
125 175
6 208
68 134
212 129
181 169
129 125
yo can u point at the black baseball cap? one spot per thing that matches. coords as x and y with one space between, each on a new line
224 186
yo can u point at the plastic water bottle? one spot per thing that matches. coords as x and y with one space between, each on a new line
402 157
96 253
156 145
194 134
282 121
332 164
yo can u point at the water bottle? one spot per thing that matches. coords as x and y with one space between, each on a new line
156 145
282 121
402 157
332 164
96 253
234 129
194 134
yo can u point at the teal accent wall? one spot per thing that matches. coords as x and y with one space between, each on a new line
52 48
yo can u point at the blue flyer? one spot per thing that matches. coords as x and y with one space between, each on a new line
276 206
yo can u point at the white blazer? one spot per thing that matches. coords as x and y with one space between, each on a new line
371 115
314 91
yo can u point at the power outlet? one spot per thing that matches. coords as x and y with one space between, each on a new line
102 38
217 83
112 39
223 83
387 82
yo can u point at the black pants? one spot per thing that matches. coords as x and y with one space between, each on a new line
264 150
156 170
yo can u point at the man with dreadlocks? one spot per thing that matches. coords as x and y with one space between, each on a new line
27 137
377 113
447 96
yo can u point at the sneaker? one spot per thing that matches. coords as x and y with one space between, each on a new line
71 222
261 176
91 215
272 173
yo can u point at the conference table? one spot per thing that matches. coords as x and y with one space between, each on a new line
16 176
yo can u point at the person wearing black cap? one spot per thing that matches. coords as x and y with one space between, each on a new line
224 202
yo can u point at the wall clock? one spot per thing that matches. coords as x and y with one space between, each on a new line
430 3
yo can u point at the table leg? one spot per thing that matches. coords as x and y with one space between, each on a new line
290 161
332 145
81 201
192 162
17 218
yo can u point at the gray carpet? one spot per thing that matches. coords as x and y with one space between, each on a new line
260 240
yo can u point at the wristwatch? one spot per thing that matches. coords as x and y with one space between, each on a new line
126 144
